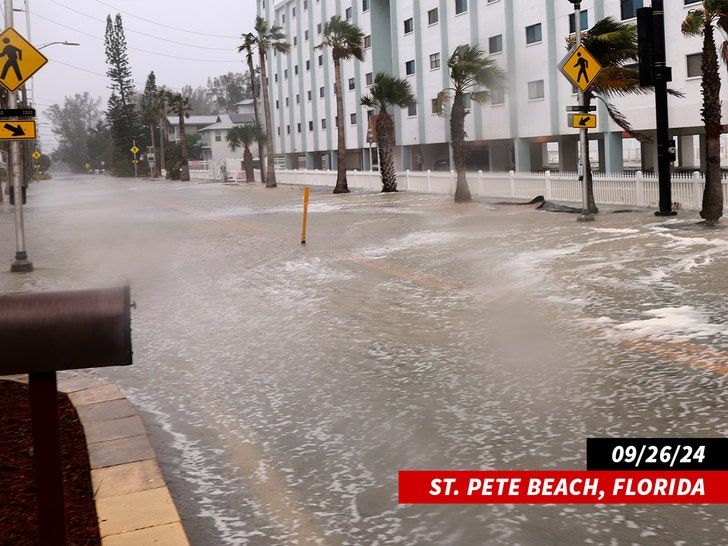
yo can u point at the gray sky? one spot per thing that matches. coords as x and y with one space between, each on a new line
184 42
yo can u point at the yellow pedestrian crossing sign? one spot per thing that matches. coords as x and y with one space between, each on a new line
580 67
134 149
19 60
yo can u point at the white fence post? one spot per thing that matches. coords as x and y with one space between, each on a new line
697 194
547 184
639 189
512 182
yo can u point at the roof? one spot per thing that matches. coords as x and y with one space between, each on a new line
228 121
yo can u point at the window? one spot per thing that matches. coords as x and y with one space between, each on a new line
288 129
497 96
461 6
321 92
285 74
367 41
368 78
535 90
434 61
583 17
409 25
352 84
278 131
495 44
293 11
318 28
435 109
295 70
691 2
323 123
365 5
275 77
308 95
305 35
298 127
298 99
467 100
286 102
629 8
320 60
295 41
278 105
694 61
352 118
348 13
409 67
305 4
533 33
308 65
412 110
433 16
218 136
310 125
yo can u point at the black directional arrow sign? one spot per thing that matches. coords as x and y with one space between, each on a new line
17 130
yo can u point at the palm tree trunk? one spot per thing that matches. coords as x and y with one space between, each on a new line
459 152
385 129
341 185
153 165
248 163
165 140
184 167
712 208
256 110
270 173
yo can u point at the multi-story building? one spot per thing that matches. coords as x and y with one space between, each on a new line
526 128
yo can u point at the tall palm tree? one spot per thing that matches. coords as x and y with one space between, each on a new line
346 40
180 104
387 91
250 41
700 22
245 135
269 38
164 97
471 72
614 45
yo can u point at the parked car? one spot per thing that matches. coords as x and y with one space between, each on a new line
441 165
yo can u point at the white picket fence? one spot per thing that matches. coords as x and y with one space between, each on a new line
628 189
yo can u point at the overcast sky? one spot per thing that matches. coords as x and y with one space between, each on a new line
184 42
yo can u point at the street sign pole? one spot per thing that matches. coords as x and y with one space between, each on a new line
586 216
21 263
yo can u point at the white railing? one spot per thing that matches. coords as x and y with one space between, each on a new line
629 189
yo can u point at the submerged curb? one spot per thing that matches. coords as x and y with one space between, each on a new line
133 503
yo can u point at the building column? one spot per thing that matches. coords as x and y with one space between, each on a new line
686 151
569 153
613 153
649 157
522 153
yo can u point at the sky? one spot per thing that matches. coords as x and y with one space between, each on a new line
184 42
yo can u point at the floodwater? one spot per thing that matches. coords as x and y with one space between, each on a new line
284 385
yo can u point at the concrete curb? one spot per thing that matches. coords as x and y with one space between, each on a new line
133 503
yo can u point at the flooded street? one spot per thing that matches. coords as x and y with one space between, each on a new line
284 385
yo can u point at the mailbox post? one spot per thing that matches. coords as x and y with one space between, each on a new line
41 333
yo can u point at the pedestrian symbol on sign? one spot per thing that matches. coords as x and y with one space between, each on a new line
14 55
19 60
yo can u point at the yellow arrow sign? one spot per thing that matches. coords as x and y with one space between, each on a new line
17 130
583 121
580 67
19 60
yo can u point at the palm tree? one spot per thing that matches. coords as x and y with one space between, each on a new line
387 91
249 42
701 21
614 45
164 97
471 72
245 135
346 40
269 38
181 105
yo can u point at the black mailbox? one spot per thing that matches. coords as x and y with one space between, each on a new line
49 331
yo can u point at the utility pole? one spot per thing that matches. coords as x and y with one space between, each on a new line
21 263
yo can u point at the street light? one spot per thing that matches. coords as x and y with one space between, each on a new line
586 216
59 43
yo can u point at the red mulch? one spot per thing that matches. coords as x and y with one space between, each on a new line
18 500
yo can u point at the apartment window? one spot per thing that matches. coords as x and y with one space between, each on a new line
295 41
533 33
368 78
278 131
275 77
412 110
352 119
367 41
320 60
323 123
285 74
305 5
318 28
278 105
348 13
295 70
308 65
310 125
691 2
352 84
409 25
535 90
293 11
298 127
305 35
308 95
298 99
583 17
321 92
495 44
433 16
288 129
694 61
434 61
434 108
629 8
218 136
497 96
461 6
365 5
409 67
286 102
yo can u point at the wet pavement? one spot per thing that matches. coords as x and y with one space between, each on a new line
284 385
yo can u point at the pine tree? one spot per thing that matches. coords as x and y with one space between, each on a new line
120 113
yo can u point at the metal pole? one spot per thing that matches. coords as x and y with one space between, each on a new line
662 75
21 263
586 216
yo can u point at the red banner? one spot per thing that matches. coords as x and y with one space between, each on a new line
561 487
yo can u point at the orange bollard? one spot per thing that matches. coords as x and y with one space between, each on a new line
306 191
